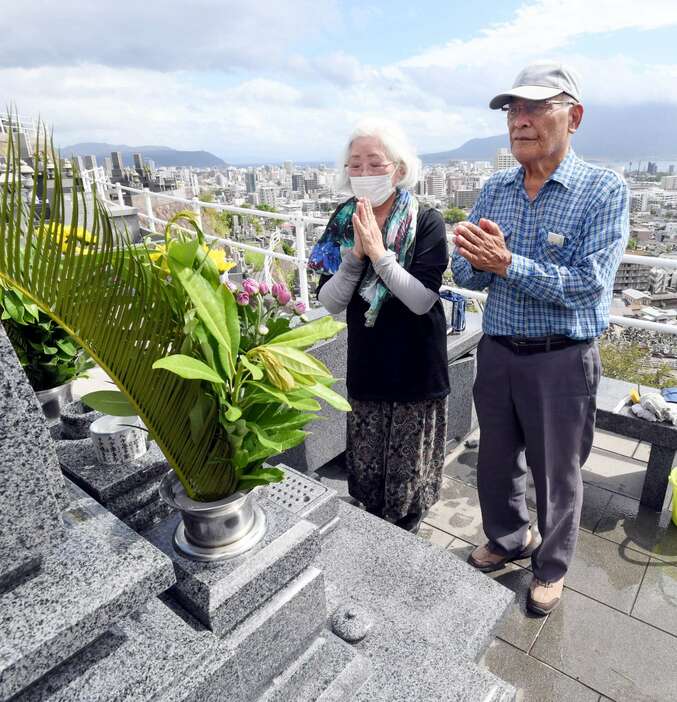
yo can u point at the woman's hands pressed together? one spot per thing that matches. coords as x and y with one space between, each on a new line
368 236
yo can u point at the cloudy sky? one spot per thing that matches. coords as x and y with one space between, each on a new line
264 80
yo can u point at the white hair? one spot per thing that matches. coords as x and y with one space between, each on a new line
395 144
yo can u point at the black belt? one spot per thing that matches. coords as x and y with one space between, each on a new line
537 344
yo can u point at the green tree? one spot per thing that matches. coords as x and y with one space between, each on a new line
632 245
254 260
287 248
454 215
629 363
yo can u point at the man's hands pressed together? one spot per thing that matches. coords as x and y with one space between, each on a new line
483 246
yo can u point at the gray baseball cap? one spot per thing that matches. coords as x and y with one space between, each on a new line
540 81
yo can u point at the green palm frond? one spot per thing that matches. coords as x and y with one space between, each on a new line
107 301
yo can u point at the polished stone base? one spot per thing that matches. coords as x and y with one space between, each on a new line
101 572
224 593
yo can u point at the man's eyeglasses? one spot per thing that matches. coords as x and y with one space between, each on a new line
356 169
533 109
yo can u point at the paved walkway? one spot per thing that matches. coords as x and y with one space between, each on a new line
614 636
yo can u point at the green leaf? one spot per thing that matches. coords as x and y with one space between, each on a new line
290 420
32 309
13 308
209 306
43 348
291 400
298 361
232 320
233 413
189 368
205 345
256 371
330 396
200 416
68 347
308 334
183 252
109 402
280 441
260 476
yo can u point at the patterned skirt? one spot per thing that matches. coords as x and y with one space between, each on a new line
395 454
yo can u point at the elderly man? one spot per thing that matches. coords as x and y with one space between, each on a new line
546 238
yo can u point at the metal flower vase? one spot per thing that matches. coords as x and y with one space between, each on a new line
54 399
212 531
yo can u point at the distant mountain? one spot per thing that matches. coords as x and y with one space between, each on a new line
627 133
162 155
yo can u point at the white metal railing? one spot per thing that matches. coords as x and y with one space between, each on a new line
613 319
95 176
147 215
98 176
22 125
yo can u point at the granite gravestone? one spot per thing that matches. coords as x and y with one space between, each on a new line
91 610
29 504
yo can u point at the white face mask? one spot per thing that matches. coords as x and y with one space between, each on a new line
377 189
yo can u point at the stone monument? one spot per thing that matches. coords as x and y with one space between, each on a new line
94 610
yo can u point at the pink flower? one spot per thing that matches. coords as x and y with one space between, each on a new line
263 288
249 285
231 286
299 308
243 298
281 293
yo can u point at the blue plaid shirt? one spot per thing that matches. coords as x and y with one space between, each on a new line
566 245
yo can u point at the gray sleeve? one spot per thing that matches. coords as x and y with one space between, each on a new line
337 292
403 285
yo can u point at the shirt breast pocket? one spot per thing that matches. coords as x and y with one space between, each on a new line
554 247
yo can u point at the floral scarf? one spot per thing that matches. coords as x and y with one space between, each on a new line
399 235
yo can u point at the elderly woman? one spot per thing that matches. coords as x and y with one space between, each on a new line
381 259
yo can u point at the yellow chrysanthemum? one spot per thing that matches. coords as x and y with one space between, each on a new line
218 256
79 234
159 257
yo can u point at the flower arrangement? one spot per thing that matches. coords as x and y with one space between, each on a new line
47 353
217 392
244 347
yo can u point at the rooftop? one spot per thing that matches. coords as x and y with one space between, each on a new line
614 636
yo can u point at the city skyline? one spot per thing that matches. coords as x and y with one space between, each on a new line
263 82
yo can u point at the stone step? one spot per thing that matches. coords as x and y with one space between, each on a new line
222 594
431 612
329 670
108 484
162 653
101 572
157 653
275 635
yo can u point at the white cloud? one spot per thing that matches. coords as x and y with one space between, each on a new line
164 35
291 105
544 26
471 71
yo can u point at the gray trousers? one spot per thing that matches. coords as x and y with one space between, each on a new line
543 406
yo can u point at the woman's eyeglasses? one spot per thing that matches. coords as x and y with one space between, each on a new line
355 169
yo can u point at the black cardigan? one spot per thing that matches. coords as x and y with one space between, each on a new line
403 357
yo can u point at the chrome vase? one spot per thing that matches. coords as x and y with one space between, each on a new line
212 531
54 399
